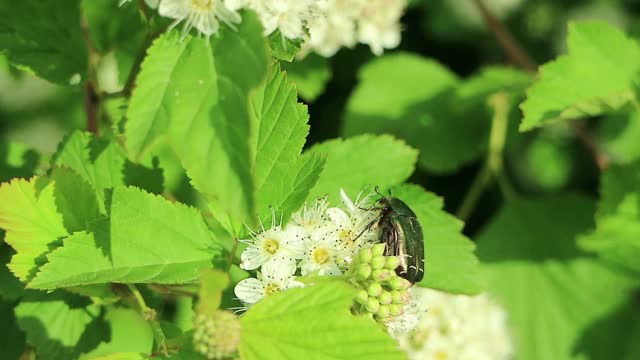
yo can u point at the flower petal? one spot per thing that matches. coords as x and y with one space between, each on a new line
249 290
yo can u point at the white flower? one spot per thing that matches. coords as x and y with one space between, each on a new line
456 327
379 25
322 252
311 217
276 276
272 243
204 15
290 16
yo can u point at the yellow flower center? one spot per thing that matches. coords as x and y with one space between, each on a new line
321 256
345 236
271 246
271 289
441 355
202 5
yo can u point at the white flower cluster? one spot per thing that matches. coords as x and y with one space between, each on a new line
453 327
325 25
317 241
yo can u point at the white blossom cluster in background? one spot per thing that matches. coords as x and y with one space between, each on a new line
324 25
454 327
319 240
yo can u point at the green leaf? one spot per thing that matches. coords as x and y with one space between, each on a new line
32 223
450 262
595 77
313 323
59 326
10 287
129 332
283 177
617 234
103 165
148 240
283 48
12 341
310 75
551 291
212 283
619 134
431 110
45 37
17 161
75 200
195 95
367 160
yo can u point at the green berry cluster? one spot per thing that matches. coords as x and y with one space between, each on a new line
216 336
383 294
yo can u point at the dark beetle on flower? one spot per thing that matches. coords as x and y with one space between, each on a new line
402 234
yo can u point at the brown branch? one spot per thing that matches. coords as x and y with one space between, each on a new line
506 40
91 105
91 98
520 57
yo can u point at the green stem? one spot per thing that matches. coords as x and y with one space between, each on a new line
493 166
149 315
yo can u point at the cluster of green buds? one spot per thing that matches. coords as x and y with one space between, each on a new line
216 336
383 294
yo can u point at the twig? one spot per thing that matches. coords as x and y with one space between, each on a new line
149 315
506 40
91 98
520 57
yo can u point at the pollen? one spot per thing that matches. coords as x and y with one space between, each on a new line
272 289
321 256
202 5
271 246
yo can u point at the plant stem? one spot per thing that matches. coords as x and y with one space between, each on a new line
493 165
91 98
149 315
520 57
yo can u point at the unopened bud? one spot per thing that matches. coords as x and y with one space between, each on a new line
383 311
374 289
363 271
392 262
398 283
378 249
365 255
362 297
381 275
378 262
385 297
372 305
396 309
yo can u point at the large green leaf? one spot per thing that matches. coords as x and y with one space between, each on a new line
45 37
419 100
59 326
283 177
32 223
366 160
17 161
450 263
313 323
617 234
195 95
596 76
148 239
552 292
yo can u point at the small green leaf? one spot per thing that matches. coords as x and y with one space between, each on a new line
32 223
148 240
283 48
59 326
45 37
310 75
313 323
450 262
617 234
361 161
551 291
75 200
595 77
129 333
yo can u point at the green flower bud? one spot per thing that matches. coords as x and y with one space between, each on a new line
372 305
392 262
378 249
363 271
362 297
398 283
216 336
374 289
378 262
396 297
365 255
383 311
385 297
396 309
383 320
381 275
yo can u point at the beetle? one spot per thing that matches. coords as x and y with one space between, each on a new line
402 234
